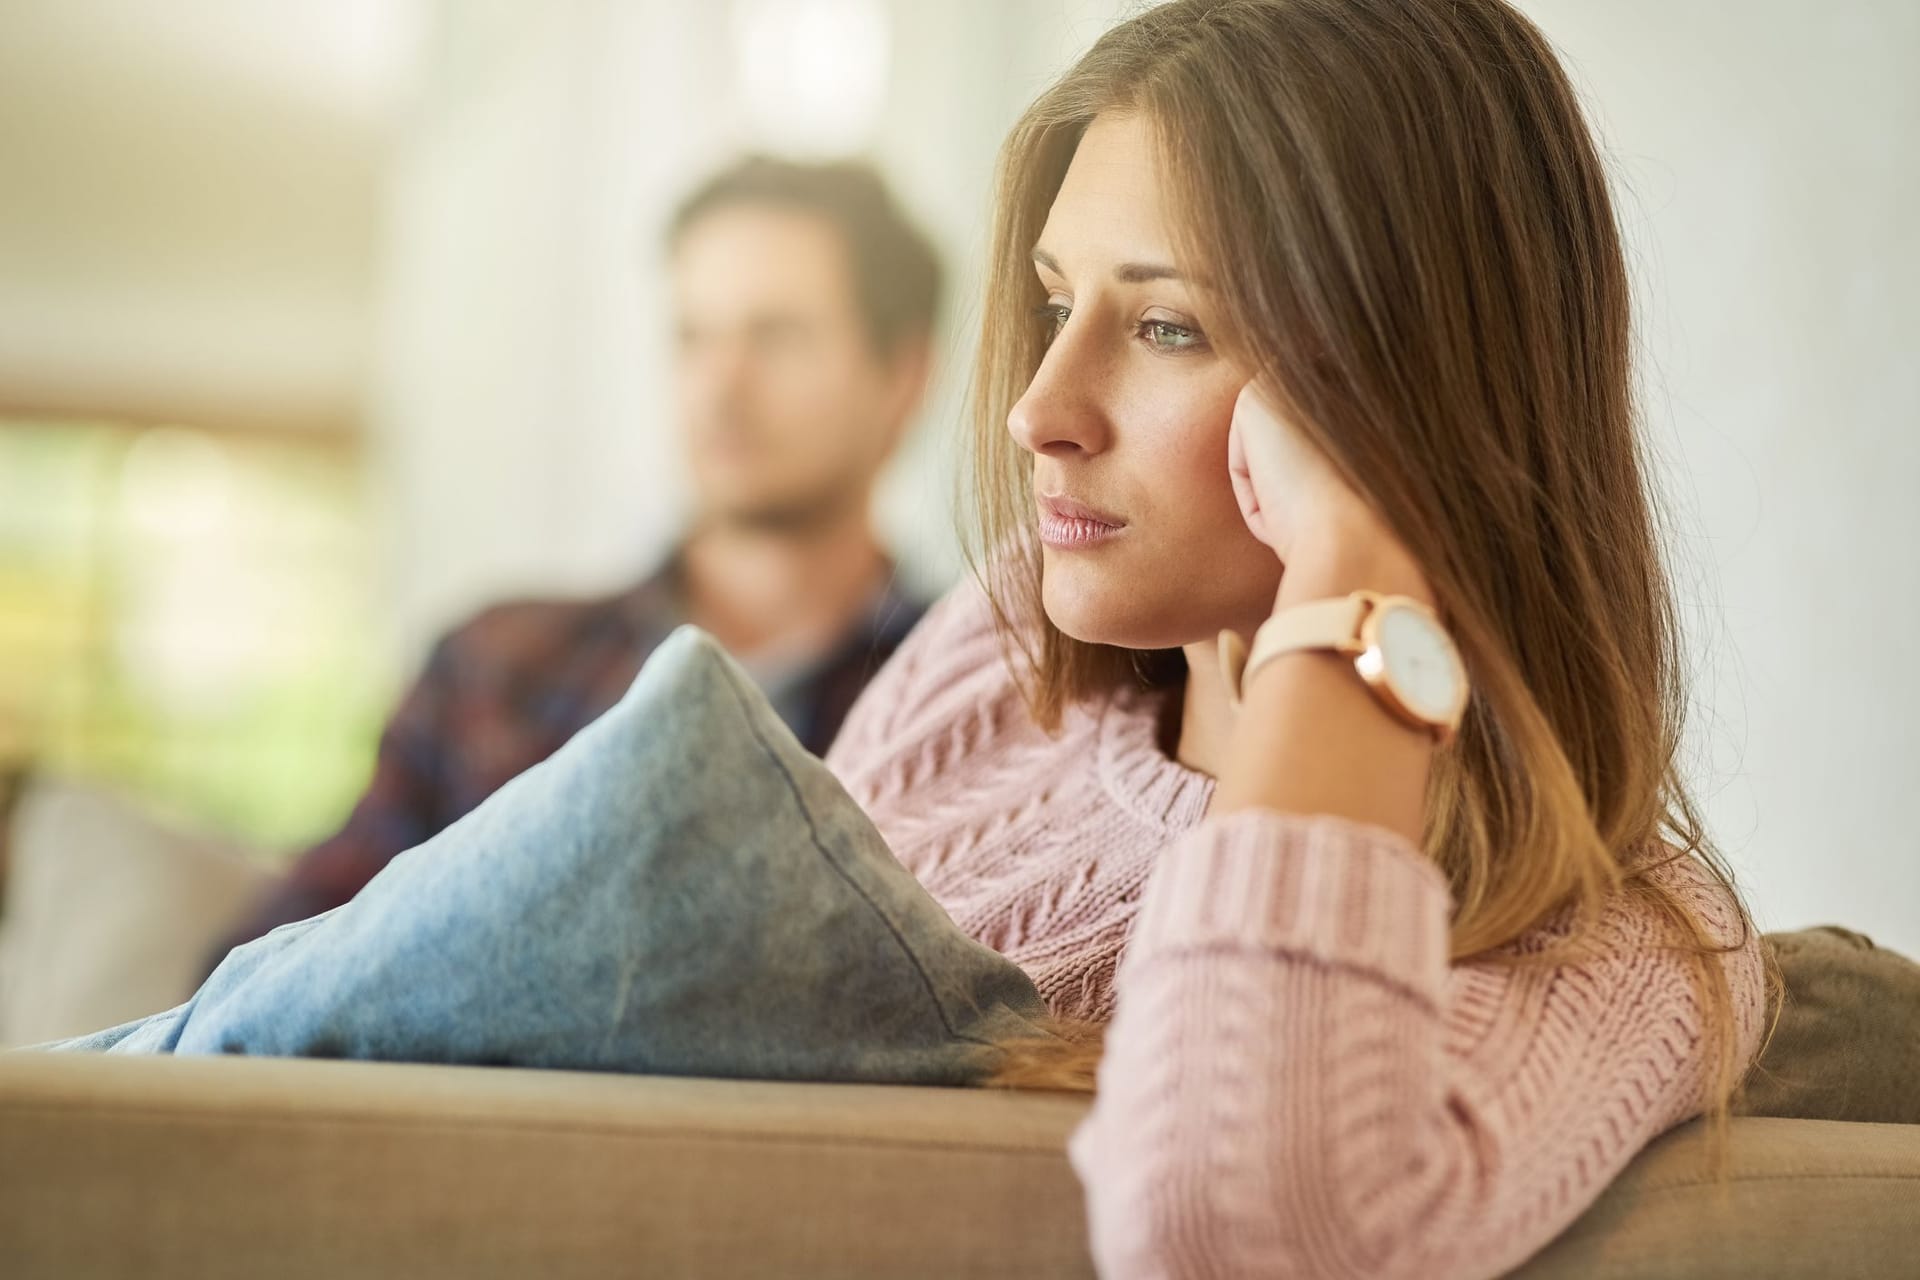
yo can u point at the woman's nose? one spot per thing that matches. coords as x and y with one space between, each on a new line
1061 411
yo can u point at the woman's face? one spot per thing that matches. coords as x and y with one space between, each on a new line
1143 543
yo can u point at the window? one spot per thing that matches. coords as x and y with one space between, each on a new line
187 615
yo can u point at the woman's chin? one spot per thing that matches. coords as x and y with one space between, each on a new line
1124 609
1105 613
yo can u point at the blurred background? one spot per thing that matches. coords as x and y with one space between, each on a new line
323 324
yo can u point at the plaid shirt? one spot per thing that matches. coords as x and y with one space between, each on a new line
504 691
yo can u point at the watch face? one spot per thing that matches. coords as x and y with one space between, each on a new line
1421 663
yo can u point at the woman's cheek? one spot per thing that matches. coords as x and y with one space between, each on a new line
1196 452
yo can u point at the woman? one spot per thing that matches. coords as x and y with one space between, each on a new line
1394 940
1292 299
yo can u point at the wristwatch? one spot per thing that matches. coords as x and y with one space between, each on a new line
1397 645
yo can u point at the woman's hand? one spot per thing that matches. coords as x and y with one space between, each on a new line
1285 484
1329 539
1310 737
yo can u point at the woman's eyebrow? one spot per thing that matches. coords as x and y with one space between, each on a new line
1125 273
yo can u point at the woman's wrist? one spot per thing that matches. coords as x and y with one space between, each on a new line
1310 737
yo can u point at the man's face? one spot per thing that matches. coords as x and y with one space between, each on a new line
788 411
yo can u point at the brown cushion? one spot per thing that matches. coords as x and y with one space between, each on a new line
1848 1042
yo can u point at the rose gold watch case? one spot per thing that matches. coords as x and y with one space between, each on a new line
1371 662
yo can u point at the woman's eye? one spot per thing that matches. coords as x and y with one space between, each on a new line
1164 335
1161 335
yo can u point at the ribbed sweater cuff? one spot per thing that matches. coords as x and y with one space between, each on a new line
1344 892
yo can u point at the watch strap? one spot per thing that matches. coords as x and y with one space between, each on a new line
1333 623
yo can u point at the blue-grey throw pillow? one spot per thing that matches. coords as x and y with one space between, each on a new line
682 889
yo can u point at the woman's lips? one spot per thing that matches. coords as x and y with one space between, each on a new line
1067 523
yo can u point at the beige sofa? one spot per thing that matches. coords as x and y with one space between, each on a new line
210 1167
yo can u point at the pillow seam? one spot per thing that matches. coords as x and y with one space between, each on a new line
813 835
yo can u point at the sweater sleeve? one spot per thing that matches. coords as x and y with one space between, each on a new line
1297 1083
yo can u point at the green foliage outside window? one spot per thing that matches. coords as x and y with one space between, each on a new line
187 616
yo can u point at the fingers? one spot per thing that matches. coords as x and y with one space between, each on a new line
1241 476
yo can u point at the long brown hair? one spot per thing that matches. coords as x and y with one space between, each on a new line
1408 234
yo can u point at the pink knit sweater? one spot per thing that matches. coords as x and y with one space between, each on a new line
1297 1083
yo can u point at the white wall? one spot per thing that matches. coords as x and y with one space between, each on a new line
1768 156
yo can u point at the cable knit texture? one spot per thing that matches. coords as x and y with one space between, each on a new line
1296 1082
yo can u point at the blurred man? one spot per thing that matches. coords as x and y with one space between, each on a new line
805 306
